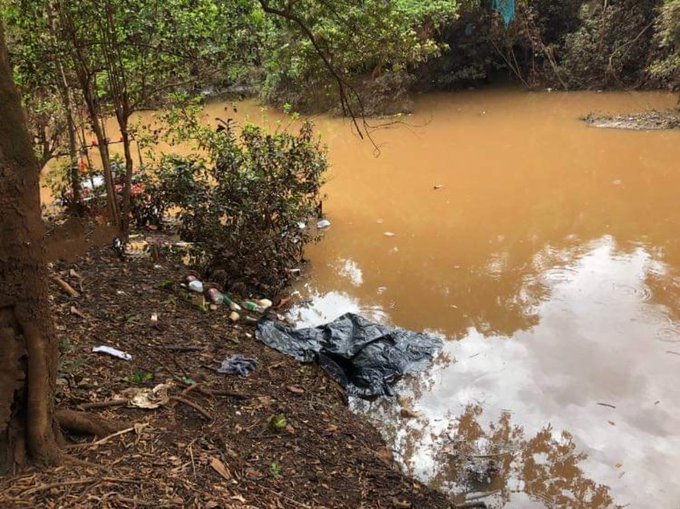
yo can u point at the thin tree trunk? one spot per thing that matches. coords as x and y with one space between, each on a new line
127 185
85 79
28 345
72 142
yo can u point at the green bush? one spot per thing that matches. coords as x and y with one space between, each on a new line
246 207
666 67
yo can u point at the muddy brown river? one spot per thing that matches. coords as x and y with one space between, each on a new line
547 253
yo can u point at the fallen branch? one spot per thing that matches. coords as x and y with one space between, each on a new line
103 404
66 287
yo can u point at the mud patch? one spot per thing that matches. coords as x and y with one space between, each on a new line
650 121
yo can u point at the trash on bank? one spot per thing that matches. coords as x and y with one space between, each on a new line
196 286
364 357
324 223
146 398
113 352
237 365
219 298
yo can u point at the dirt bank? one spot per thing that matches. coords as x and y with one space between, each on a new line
650 121
213 447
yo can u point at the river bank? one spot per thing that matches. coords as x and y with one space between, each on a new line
214 445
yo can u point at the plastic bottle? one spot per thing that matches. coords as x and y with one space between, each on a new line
219 298
215 295
251 306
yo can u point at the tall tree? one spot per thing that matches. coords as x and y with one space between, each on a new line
29 350
28 345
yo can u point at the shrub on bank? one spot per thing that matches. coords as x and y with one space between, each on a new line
246 205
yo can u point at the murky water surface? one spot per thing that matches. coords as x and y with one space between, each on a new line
547 253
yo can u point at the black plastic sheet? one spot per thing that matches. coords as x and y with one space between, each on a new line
367 359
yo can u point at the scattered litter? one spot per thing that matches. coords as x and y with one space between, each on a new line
148 399
252 306
113 352
364 357
390 234
264 303
196 286
608 405
324 223
237 365
302 225
198 301
234 316
438 187
219 298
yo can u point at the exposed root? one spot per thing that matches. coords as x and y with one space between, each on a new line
87 424
103 404
193 405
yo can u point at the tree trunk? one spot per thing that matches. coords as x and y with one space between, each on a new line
127 184
103 145
72 143
28 346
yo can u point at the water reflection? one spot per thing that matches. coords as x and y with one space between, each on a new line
583 404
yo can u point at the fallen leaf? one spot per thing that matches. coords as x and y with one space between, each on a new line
220 468
295 389
253 474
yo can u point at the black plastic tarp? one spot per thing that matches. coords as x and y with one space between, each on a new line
364 357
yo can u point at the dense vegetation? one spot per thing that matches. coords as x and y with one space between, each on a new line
79 63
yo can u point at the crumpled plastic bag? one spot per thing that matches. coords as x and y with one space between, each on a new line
367 359
237 365
149 399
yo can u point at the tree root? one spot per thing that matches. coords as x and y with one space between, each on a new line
193 405
87 424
